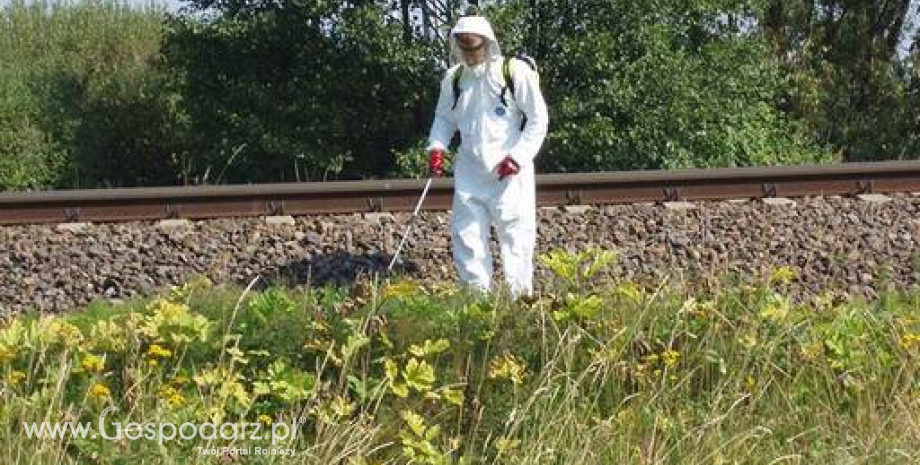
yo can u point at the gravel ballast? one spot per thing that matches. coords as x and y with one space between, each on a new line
861 246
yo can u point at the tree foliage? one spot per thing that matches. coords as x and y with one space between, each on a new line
659 84
851 85
296 90
96 93
82 100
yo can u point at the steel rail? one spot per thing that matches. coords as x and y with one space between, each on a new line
203 202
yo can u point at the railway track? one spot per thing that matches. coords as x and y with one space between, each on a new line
203 202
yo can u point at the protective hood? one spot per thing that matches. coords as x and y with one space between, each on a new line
473 25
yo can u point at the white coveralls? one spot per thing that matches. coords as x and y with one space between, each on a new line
489 132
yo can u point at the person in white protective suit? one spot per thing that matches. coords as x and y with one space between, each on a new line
494 168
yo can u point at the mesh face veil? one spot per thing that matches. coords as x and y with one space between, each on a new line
473 25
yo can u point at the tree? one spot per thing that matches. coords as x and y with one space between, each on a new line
851 87
82 101
295 90
656 84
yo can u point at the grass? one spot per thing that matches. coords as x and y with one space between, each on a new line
596 371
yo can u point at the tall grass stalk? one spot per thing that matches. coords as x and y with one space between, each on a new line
597 372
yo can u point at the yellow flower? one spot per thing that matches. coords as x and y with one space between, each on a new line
156 350
631 291
179 293
812 350
173 396
444 289
776 312
508 366
99 391
318 345
748 340
16 378
341 407
176 400
64 332
108 336
166 309
401 290
319 325
265 419
750 383
783 275
506 445
670 357
93 363
909 340
6 354
690 307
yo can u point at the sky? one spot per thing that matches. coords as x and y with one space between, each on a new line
171 5
912 28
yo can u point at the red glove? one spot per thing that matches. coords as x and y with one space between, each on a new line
436 163
508 167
